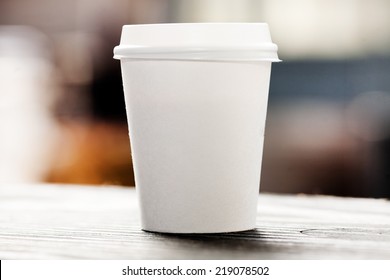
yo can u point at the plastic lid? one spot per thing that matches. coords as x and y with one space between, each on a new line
197 41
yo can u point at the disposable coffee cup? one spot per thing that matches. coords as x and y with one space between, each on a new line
196 100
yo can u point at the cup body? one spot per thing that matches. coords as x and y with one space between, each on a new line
196 131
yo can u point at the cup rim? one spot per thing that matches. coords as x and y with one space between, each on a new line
197 41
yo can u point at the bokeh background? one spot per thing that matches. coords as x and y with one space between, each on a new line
62 114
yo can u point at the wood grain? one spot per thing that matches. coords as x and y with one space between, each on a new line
86 222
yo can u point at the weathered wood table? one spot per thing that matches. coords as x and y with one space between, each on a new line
80 222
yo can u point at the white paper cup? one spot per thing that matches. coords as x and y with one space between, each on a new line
196 100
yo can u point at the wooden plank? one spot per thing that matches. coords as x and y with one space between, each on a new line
80 222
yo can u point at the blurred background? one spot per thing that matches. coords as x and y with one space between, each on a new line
62 114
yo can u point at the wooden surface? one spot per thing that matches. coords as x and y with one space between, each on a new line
75 222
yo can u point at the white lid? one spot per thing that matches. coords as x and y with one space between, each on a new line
197 41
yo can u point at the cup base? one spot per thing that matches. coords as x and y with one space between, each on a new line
198 232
